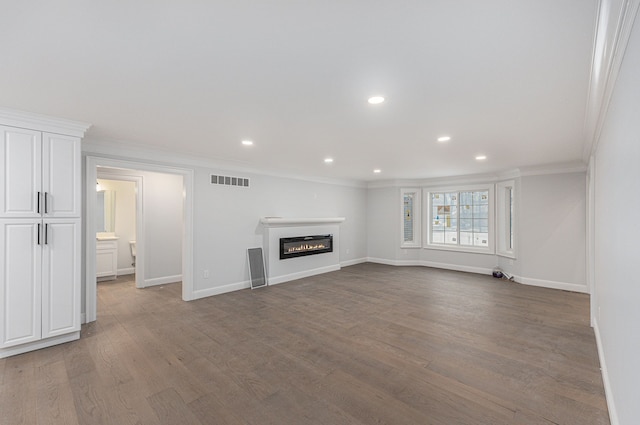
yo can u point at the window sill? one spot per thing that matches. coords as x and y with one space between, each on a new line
472 250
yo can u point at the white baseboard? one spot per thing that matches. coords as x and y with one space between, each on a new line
392 262
128 270
613 413
457 267
353 262
574 287
274 280
203 293
162 280
446 266
37 345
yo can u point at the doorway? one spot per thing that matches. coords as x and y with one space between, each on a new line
123 218
92 165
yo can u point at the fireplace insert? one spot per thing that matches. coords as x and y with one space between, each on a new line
305 245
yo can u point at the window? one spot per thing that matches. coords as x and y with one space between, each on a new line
460 220
411 217
506 219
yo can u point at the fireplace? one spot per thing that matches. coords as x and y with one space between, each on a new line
305 245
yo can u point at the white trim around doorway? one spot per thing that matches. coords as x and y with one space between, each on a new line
92 162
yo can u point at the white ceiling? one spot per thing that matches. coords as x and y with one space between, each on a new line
508 79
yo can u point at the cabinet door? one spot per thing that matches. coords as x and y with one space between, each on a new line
106 258
61 175
60 277
20 173
20 282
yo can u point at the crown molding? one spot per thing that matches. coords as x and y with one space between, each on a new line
538 170
147 153
29 120
558 168
609 47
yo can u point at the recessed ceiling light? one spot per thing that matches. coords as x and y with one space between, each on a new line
374 100
377 171
481 157
444 138
328 160
247 142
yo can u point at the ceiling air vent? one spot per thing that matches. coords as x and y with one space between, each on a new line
229 181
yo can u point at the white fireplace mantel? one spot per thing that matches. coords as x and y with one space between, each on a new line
288 221
275 228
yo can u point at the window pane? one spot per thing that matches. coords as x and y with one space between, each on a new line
450 224
481 211
437 199
510 198
481 239
442 211
466 198
408 217
450 238
451 198
438 225
481 226
480 198
466 238
466 224
437 237
466 211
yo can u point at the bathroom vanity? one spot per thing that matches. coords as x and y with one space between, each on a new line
106 256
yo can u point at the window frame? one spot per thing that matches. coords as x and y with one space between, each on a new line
506 208
417 218
428 232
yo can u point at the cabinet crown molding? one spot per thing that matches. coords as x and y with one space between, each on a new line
29 120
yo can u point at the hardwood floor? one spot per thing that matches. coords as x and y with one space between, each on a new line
367 344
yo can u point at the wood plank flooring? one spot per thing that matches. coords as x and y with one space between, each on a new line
369 344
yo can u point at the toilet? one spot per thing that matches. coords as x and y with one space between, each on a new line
132 245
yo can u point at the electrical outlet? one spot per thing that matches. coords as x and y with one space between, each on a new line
205 274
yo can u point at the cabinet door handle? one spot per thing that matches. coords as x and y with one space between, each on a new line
38 233
46 209
46 234
39 195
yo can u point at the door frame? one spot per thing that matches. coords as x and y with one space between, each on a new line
92 162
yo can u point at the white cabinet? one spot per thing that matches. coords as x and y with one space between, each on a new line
41 292
21 259
60 276
40 230
40 174
106 259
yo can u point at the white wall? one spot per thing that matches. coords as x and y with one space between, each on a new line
162 204
125 220
551 222
226 219
617 232
383 225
